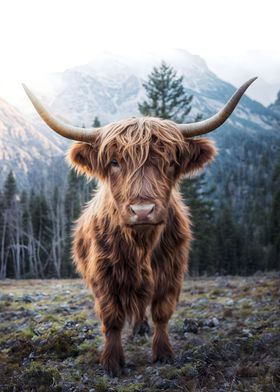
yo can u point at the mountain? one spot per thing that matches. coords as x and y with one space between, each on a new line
110 87
275 107
238 67
26 148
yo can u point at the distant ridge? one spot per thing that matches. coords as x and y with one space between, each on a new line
110 87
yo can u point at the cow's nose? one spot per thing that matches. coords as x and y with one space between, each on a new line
142 210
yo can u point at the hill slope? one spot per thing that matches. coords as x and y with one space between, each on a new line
26 148
110 88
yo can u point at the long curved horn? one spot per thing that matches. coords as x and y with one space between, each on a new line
68 131
205 126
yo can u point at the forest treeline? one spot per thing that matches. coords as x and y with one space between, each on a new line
35 231
36 224
35 228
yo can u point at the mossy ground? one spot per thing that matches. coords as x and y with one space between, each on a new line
225 333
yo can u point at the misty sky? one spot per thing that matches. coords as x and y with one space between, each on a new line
238 39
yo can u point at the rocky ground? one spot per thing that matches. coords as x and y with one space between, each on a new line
225 333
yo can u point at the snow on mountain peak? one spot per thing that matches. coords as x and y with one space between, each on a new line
110 87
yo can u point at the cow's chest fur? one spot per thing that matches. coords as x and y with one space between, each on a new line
129 270
123 266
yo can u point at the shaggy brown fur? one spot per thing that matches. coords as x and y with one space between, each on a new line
131 266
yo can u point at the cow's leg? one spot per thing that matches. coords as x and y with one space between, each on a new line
162 310
169 262
112 358
113 317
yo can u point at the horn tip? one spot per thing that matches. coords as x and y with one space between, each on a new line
26 89
247 84
250 81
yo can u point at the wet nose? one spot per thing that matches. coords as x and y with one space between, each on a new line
142 210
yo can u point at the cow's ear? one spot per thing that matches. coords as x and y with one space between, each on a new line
82 157
200 152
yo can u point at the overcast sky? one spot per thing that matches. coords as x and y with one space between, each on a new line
236 38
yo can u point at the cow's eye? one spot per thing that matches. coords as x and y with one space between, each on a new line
114 163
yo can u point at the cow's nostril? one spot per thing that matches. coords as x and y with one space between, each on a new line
142 210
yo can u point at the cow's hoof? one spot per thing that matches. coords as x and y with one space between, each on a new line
163 354
142 329
113 373
164 359
113 365
112 369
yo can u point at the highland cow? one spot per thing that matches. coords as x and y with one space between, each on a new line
132 241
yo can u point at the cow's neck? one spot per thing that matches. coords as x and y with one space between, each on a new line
144 238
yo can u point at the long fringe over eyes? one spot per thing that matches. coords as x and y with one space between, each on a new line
135 139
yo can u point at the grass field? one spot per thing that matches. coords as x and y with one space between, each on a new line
225 332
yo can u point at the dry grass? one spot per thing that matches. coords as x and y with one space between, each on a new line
225 333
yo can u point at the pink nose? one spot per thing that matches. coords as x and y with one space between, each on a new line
142 210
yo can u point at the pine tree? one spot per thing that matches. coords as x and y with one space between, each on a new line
3 223
78 192
96 122
197 197
72 206
167 98
12 240
275 218
275 230
229 243
10 189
